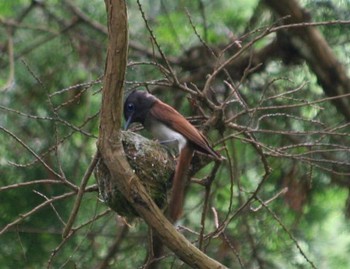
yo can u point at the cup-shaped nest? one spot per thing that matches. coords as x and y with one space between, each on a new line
153 165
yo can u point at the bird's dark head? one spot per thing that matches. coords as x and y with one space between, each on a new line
137 106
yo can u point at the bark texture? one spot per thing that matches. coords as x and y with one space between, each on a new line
314 49
111 148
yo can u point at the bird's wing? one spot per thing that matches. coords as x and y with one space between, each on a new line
174 120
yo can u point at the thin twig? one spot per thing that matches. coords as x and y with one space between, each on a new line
80 194
288 232
208 183
70 235
24 184
170 69
35 155
35 209
52 206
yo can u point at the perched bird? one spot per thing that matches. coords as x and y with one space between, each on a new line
170 128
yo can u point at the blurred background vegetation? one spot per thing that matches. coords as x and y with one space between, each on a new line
52 57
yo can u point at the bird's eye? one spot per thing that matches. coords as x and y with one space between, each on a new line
131 107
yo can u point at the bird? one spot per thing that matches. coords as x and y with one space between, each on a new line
169 127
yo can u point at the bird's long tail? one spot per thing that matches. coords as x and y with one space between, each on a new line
179 182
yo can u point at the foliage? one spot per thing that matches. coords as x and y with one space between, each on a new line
50 100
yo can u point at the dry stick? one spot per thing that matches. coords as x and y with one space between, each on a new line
307 24
23 184
171 27
59 164
35 209
52 206
61 141
282 107
287 231
63 176
268 171
204 20
57 118
287 92
276 153
79 197
29 116
288 116
42 41
225 238
217 57
281 192
288 132
17 25
65 240
113 249
77 87
308 144
221 67
83 17
234 250
208 182
266 32
11 27
71 100
252 240
36 156
148 264
84 236
231 161
204 96
103 29
171 71
230 60
11 75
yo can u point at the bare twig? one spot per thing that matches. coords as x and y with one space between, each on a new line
33 182
35 155
70 235
35 209
169 68
113 249
208 183
52 206
80 194
288 232
11 76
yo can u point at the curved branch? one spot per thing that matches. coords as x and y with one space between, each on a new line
111 149
313 47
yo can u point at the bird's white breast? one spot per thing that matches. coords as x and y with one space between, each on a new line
167 135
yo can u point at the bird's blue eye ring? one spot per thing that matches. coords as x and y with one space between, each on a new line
131 107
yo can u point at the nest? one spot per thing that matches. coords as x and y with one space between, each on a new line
153 165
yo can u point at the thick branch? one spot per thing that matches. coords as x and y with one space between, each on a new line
312 46
111 150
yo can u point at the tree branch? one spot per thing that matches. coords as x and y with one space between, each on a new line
314 48
111 149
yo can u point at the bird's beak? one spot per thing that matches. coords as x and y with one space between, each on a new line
128 122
